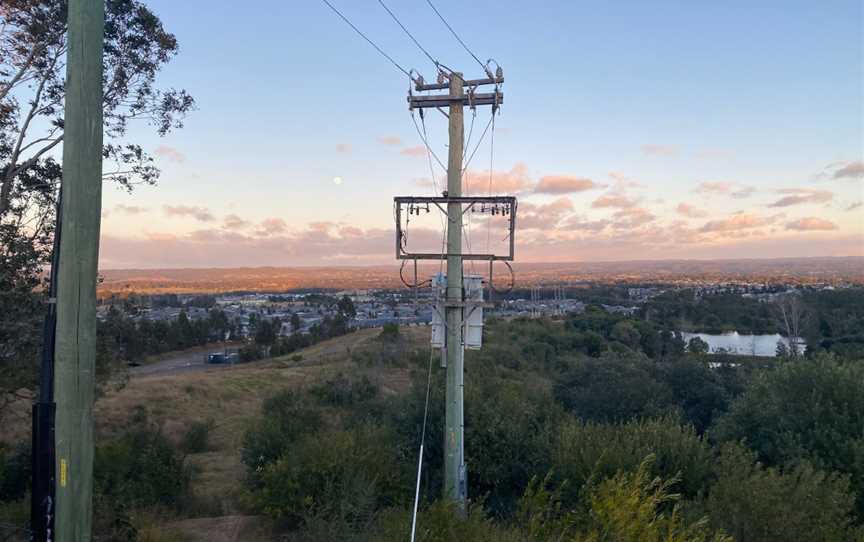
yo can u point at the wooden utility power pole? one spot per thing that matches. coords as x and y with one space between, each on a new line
453 307
455 486
77 268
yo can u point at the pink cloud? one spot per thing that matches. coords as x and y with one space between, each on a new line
731 189
614 201
418 150
543 216
633 217
851 170
391 141
738 221
811 223
563 184
502 182
130 209
170 153
272 226
798 196
688 210
201 214
234 222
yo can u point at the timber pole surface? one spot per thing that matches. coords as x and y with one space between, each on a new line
454 464
76 288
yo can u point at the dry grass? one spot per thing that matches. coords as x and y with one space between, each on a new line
232 398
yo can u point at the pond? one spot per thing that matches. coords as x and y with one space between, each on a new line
737 343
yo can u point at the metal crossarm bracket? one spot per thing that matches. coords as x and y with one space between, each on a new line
487 98
503 205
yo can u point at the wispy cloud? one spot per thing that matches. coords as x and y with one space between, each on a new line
272 226
685 209
854 205
343 147
734 190
130 209
738 221
613 201
850 170
170 153
811 223
502 182
201 214
418 150
564 184
234 222
798 196
391 141
659 150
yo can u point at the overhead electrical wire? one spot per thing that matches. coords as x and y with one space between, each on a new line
443 20
365 37
417 43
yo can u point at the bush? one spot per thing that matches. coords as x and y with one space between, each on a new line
758 504
805 409
141 468
285 418
612 388
343 391
334 474
587 451
635 507
196 439
15 472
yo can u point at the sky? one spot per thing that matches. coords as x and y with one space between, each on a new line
630 130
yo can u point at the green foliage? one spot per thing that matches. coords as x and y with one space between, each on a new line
196 439
637 507
141 468
806 409
612 388
15 471
697 346
344 391
799 503
285 418
339 474
586 451
390 332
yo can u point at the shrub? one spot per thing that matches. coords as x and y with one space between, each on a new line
612 388
634 507
15 472
334 474
141 468
587 451
759 504
343 391
196 439
806 409
285 418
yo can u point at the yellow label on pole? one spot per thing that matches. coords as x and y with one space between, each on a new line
63 469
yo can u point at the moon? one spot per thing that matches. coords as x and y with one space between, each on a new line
337 180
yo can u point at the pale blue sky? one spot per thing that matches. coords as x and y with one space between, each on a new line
761 94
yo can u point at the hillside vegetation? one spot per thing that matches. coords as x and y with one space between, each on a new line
596 427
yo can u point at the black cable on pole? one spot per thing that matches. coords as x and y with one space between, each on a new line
443 20
402 26
362 35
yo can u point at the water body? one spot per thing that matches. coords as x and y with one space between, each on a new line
736 343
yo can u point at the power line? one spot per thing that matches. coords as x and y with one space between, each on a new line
431 5
365 37
402 26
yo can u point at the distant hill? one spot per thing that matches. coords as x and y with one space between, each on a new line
277 279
